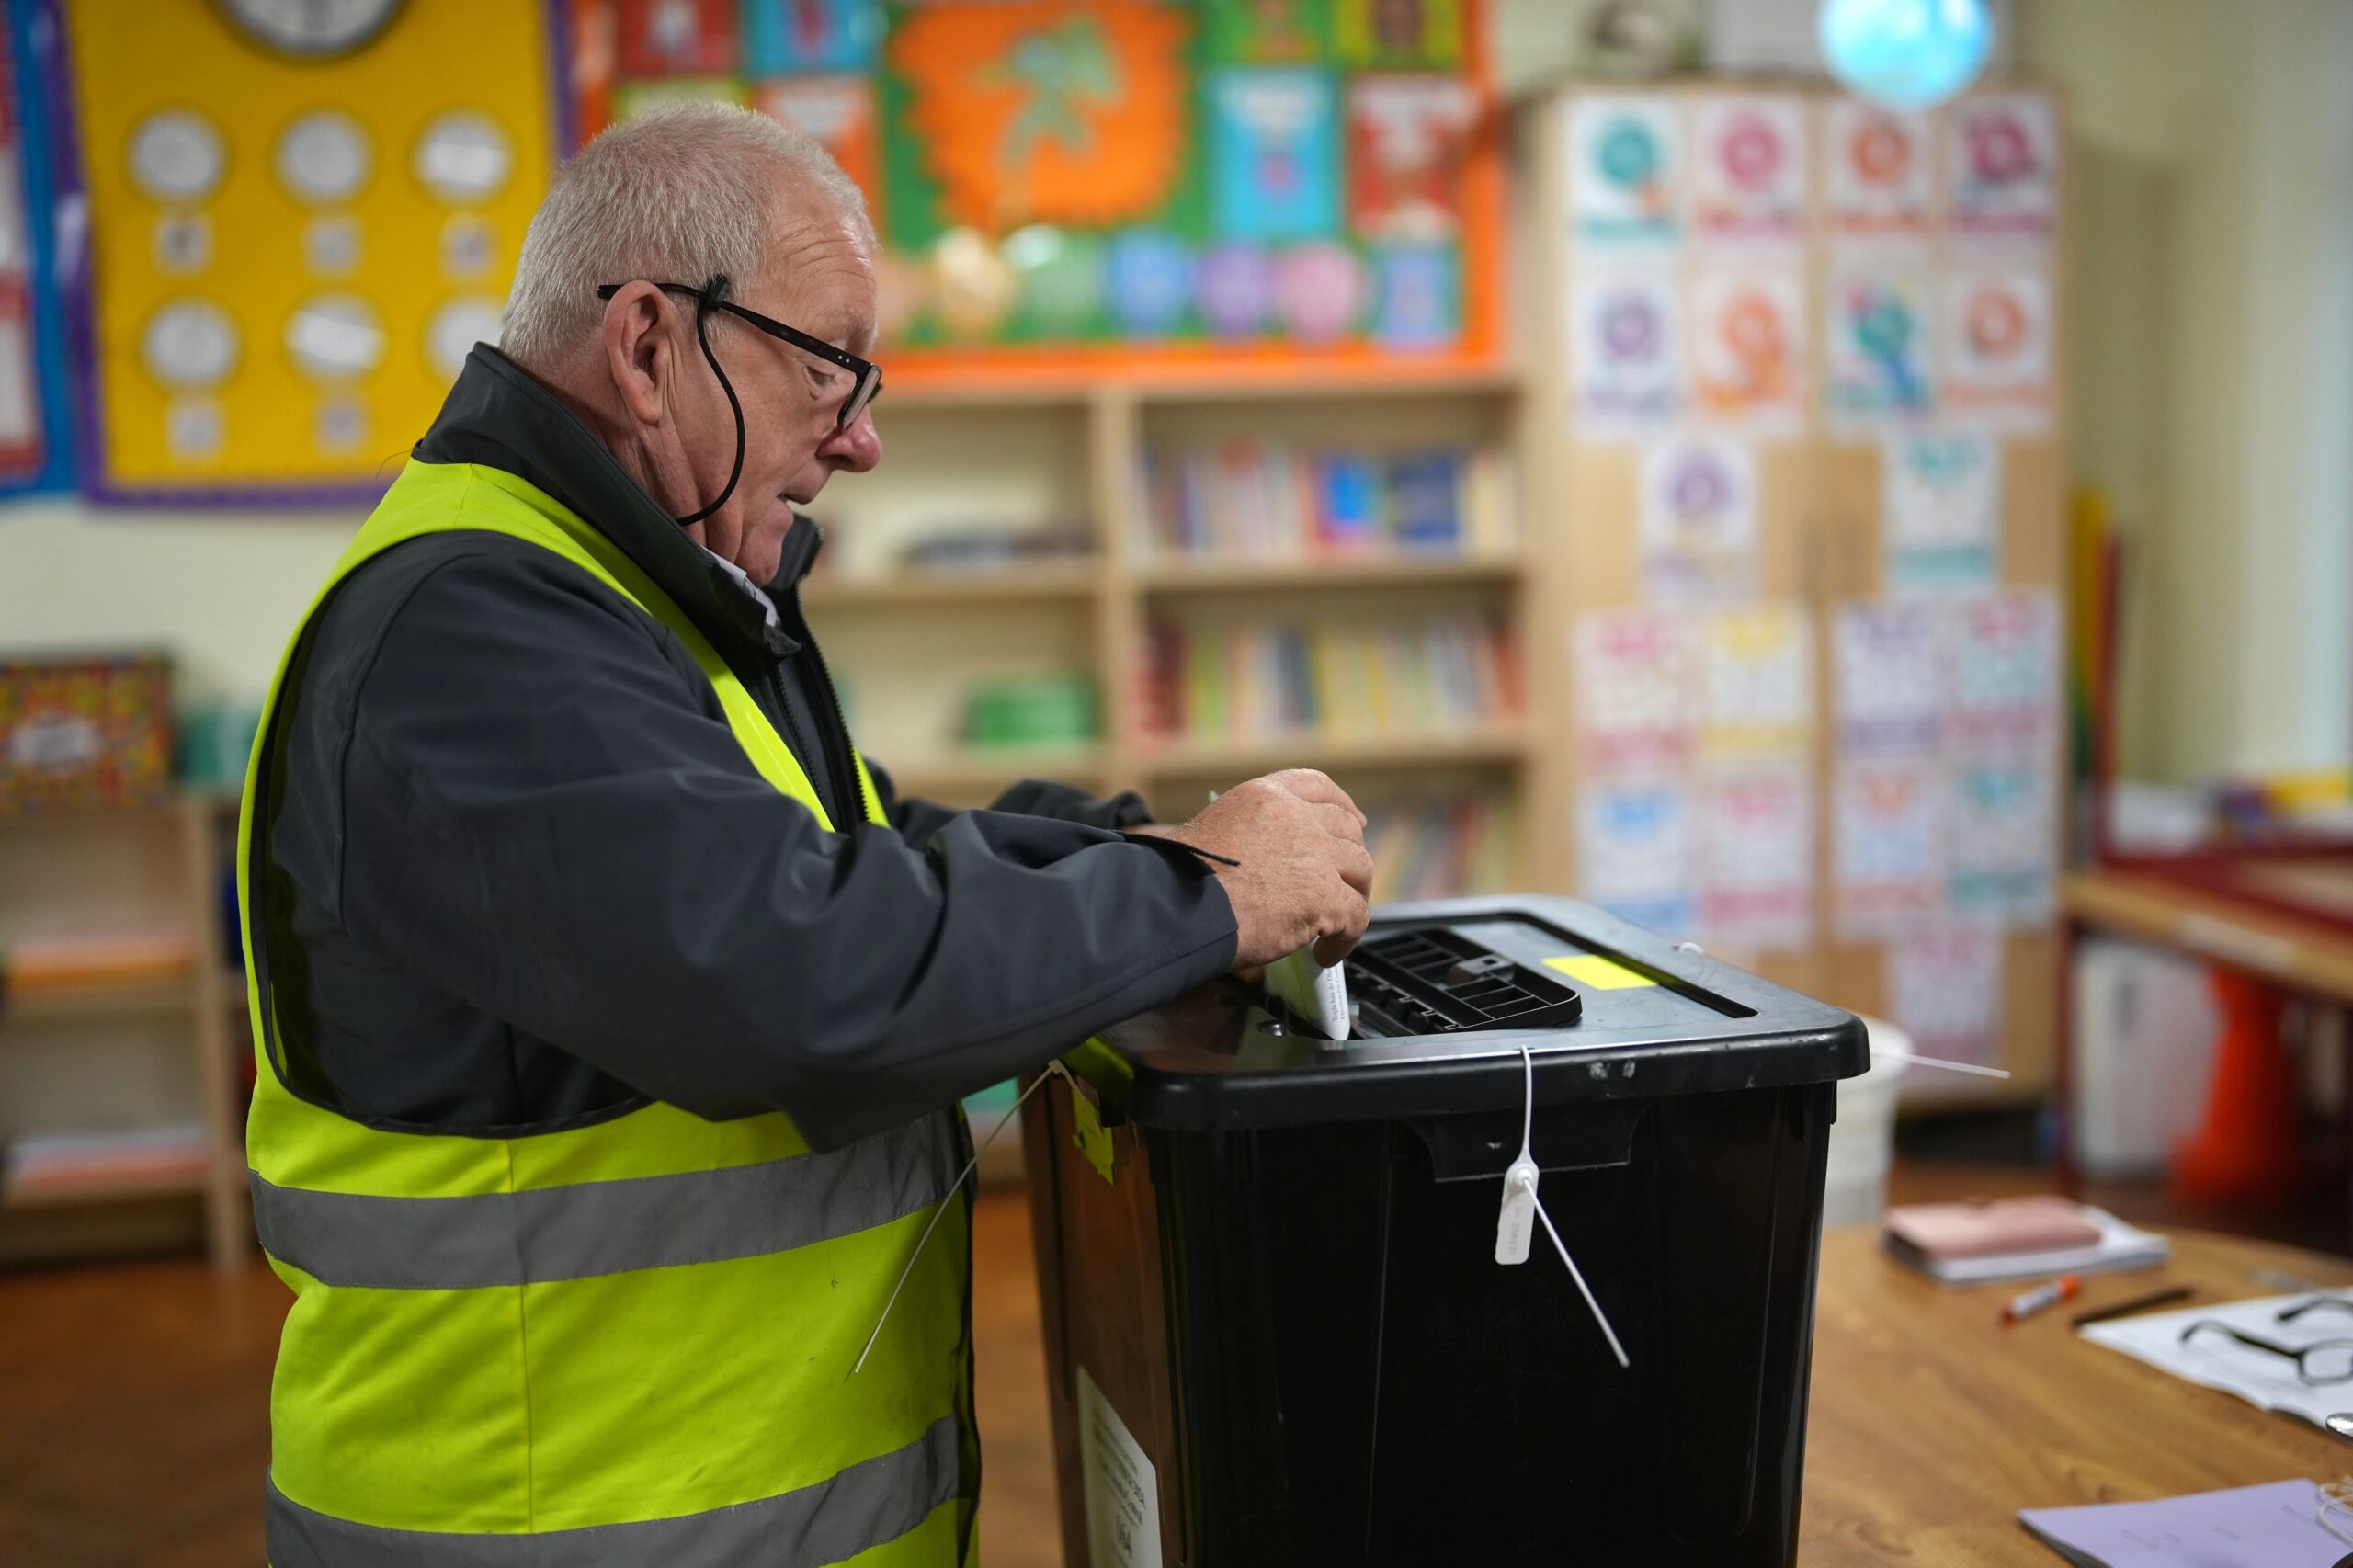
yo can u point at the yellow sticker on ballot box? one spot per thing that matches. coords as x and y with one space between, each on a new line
1600 972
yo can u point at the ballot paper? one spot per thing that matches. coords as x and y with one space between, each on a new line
2247 1527
2214 1361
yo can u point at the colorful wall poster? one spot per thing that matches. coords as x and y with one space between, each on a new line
1748 347
782 36
1399 32
2001 168
1697 525
1631 674
2003 834
288 256
1758 682
1880 323
1624 169
1887 843
36 425
838 110
1635 848
676 38
1997 363
1625 353
1268 32
2005 667
1409 136
1887 677
1748 168
1942 509
1273 153
1945 989
1756 855
1881 172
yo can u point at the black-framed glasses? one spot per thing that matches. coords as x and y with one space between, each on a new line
2290 1315
711 296
2325 1362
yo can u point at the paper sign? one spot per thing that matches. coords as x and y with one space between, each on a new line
1122 1489
2001 168
1625 354
1623 179
2005 667
1748 347
2003 835
1944 987
1887 677
1888 846
1757 830
1632 678
1634 852
1996 333
1407 143
1758 692
1881 180
1698 518
1274 136
1748 168
1942 509
1880 324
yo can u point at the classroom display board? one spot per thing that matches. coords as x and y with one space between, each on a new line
34 450
1814 485
300 218
1166 182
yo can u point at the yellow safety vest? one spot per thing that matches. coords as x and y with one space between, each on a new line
611 1346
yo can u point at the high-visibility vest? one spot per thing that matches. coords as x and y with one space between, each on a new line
611 1346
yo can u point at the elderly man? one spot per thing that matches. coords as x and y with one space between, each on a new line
612 1011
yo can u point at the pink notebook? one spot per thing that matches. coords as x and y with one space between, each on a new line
1983 1229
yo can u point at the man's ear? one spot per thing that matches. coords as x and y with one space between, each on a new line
638 349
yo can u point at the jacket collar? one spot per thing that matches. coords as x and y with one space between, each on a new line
499 416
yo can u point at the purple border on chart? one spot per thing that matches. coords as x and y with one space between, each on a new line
75 288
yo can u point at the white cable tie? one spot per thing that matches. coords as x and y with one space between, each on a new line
1522 1205
1598 1316
1941 1062
940 1209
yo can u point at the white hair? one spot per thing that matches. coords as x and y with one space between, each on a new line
673 196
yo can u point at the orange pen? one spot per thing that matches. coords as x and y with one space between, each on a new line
2066 1288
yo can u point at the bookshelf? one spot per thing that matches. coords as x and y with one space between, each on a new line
149 1066
1022 455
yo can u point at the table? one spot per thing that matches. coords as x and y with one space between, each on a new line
1932 1425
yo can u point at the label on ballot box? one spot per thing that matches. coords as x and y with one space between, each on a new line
1122 1488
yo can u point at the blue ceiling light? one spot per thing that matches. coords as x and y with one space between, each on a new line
1907 54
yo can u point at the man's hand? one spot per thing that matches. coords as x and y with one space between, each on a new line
1304 875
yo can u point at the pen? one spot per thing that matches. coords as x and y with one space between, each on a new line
2064 1289
2137 1303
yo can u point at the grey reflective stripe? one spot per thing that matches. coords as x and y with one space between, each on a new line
876 1500
606 1227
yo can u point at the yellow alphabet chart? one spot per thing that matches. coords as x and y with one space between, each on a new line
302 215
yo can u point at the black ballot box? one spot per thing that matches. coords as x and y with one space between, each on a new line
1277 1330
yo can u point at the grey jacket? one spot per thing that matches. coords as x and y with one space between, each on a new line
517 873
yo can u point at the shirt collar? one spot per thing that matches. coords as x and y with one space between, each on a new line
499 416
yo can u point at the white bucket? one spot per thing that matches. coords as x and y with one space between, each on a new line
1863 1142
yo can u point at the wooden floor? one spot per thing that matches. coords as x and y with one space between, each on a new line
133 1426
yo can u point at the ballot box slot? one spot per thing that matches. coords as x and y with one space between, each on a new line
1434 980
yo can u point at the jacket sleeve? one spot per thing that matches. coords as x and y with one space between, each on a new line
548 817
918 820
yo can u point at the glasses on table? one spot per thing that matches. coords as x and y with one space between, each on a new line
2317 1365
864 391
2305 1309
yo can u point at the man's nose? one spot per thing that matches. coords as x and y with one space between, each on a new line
857 449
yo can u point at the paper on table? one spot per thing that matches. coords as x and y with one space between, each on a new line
2268 1382
2246 1527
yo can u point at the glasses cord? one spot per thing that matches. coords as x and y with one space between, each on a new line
709 295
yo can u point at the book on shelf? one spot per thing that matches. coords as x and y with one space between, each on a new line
1255 501
48 965
1439 848
1263 681
59 1164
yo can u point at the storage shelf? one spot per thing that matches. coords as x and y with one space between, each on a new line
122 999
180 1184
1213 574
1017 583
1434 748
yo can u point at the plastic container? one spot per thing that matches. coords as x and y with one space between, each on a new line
1863 1146
1276 1327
